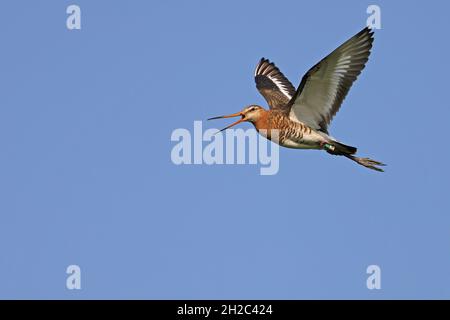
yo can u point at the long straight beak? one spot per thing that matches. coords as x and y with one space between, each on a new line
237 114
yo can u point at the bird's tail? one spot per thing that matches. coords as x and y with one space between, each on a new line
340 149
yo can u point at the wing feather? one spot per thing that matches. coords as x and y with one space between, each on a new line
273 85
324 87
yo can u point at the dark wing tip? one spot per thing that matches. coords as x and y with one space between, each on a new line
367 31
267 68
262 66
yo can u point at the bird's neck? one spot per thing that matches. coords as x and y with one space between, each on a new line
262 122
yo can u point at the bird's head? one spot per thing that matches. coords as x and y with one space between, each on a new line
251 113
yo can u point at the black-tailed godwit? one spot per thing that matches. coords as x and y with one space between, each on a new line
301 117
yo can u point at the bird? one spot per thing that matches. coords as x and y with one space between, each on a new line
299 118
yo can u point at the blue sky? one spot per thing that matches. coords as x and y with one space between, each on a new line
86 176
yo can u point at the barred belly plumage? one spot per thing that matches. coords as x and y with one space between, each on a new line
291 134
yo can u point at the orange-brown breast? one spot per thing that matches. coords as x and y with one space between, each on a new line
287 129
273 120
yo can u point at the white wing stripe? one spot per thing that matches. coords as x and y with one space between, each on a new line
280 86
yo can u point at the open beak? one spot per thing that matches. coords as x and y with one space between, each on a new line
237 114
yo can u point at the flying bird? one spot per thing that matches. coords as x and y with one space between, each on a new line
300 117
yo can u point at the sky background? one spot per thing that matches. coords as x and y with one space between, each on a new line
86 176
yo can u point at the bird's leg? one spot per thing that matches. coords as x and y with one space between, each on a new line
326 146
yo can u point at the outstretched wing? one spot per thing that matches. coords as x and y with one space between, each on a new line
324 87
273 85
